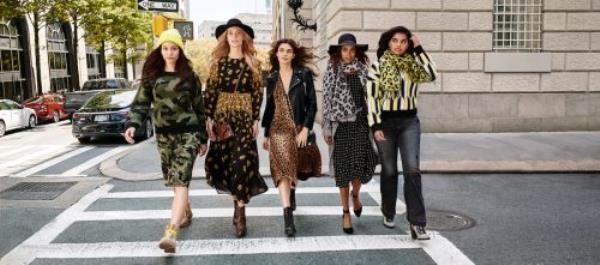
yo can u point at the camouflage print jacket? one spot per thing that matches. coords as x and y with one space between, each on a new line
172 111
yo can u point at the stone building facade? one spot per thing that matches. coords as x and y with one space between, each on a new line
524 65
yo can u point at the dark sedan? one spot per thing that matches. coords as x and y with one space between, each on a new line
105 114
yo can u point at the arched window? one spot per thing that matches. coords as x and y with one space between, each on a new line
12 82
58 54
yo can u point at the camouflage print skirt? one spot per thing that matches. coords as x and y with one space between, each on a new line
178 152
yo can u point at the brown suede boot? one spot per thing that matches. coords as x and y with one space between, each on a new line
240 221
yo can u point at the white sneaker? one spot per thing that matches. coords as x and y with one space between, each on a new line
388 222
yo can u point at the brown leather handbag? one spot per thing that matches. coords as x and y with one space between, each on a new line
223 130
309 158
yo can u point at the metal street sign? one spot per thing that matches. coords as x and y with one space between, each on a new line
185 28
159 5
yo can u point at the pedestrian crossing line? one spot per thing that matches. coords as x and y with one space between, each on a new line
212 192
39 245
52 162
15 149
231 246
27 251
33 155
94 161
219 212
441 250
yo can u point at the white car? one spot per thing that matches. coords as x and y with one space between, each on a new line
14 116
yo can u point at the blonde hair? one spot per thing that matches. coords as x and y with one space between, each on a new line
248 51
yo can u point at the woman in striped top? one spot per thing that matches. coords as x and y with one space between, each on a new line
392 101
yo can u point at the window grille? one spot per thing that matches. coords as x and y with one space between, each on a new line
517 25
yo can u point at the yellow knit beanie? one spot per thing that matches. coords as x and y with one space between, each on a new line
171 35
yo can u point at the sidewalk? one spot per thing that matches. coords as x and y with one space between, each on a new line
440 153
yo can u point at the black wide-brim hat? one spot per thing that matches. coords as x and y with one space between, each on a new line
234 22
347 39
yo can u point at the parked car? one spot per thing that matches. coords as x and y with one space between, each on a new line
48 107
105 114
14 116
76 99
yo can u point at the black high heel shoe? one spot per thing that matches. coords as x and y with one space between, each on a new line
357 211
347 230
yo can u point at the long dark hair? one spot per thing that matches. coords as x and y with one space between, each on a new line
303 57
154 67
386 37
336 57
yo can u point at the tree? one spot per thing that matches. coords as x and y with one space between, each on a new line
121 26
36 11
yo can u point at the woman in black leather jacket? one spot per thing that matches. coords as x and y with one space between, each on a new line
288 119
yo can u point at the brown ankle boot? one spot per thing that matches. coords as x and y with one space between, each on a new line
240 221
235 212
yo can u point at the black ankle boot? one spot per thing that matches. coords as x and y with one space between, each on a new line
293 199
288 219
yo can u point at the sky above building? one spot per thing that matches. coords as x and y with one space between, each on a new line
222 10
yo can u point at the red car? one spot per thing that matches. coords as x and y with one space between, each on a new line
48 107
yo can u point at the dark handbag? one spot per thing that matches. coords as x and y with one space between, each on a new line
309 158
223 130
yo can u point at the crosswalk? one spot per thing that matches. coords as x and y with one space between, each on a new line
67 160
120 223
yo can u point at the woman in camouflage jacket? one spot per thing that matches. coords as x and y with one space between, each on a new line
173 90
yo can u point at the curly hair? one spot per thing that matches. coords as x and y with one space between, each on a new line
303 57
154 67
386 37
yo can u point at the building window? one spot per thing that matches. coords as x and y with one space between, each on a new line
119 68
93 63
12 82
517 25
57 58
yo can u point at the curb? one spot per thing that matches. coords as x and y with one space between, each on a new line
110 168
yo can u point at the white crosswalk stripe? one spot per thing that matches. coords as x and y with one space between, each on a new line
439 249
29 155
53 161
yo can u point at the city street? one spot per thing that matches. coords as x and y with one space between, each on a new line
50 150
512 218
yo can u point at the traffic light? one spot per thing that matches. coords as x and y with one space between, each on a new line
159 24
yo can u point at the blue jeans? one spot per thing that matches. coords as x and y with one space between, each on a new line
404 134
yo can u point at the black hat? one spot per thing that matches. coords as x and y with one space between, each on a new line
347 39
234 22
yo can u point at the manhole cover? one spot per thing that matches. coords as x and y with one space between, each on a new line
36 190
448 221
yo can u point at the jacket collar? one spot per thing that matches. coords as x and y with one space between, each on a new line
296 76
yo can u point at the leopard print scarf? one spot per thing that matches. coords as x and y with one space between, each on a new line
391 64
338 104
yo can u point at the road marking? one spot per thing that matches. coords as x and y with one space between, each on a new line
38 245
212 192
229 246
25 252
441 250
31 156
53 162
219 212
7 154
94 161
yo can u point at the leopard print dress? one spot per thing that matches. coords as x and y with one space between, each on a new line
283 153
